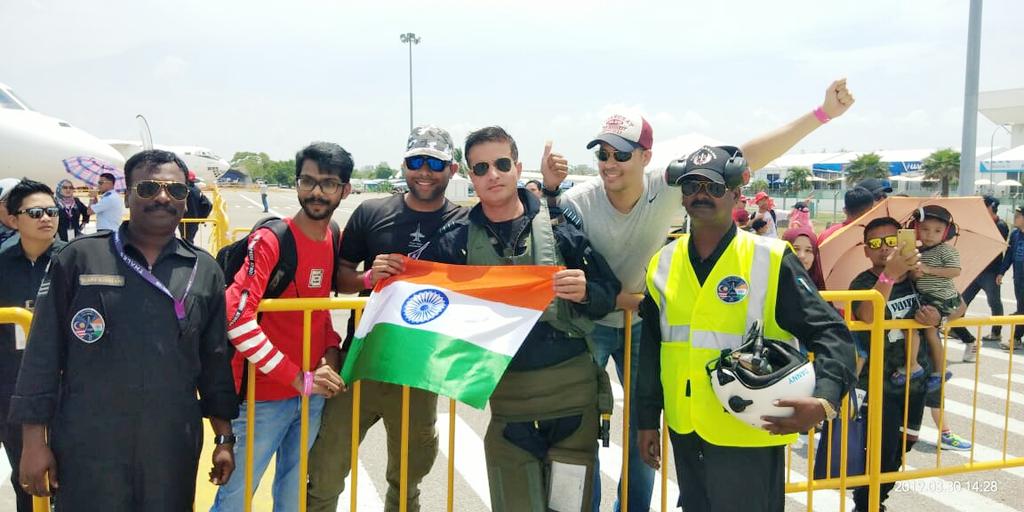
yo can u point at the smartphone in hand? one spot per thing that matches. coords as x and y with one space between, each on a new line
908 239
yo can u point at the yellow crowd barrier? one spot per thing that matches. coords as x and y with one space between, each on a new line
873 478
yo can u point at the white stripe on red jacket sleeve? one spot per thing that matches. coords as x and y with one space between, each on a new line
243 297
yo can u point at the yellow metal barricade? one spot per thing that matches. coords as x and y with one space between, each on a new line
23 318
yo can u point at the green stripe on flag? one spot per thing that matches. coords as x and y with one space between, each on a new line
425 359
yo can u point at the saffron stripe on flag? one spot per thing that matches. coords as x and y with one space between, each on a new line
443 364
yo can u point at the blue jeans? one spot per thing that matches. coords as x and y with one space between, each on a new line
611 342
266 207
277 432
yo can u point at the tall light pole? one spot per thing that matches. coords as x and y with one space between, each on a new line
969 144
410 39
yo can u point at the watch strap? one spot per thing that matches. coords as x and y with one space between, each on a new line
224 439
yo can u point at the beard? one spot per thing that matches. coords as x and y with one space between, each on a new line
308 204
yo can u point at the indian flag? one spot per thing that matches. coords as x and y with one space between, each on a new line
450 329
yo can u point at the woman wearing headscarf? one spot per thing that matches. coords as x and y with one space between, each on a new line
805 245
73 213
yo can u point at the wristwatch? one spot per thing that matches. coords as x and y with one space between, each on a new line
830 411
224 439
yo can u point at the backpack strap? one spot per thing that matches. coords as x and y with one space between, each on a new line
336 240
287 260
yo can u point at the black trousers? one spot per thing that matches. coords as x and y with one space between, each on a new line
727 478
985 281
892 438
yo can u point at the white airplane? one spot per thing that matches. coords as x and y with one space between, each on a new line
205 163
33 144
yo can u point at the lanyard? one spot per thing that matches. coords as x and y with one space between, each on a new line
179 304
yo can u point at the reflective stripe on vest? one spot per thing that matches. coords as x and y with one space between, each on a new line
699 321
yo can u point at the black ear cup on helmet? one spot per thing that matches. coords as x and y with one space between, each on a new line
735 166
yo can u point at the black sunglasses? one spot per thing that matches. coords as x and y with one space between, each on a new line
414 163
503 165
37 212
151 188
691 187
308 183
620 156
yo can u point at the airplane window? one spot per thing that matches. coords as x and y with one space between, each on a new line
7 101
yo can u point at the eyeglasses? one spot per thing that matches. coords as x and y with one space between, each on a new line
715 190
37 212
414 163
328 186
151 188
620 156
875 243
503 165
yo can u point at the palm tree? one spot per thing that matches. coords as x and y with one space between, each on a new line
758 186
943 165
868 165
798 178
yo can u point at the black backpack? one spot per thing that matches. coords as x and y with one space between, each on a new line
231 257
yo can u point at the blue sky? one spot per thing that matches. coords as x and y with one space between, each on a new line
272 76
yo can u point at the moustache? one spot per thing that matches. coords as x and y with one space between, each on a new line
314 200
158 207
701 202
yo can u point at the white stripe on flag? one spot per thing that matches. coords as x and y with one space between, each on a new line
490 325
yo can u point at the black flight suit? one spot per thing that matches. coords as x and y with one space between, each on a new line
115 375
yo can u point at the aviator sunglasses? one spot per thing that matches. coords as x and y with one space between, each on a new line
151 188
503 165
620 156
691 187
414 163
37 212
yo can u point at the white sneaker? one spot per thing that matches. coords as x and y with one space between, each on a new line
971 352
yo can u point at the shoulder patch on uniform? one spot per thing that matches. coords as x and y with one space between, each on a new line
88 325
573 217
100 280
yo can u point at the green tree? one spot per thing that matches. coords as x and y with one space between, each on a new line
583 170
281 172
798 178
254 164
943 165
758 186
383 171
457 157
868 165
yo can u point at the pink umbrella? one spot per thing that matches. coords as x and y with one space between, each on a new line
978 240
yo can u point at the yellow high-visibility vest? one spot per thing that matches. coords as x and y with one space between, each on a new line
697 322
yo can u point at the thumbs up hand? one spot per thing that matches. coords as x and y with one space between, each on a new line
553 167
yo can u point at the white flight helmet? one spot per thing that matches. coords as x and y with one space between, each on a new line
747 380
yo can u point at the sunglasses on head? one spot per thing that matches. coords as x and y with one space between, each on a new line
414 163
875 243
691 187
37 212
503 165
620 156
149 189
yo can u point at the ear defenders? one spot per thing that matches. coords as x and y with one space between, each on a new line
938 213
733 170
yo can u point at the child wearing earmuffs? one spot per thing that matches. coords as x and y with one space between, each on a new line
940 264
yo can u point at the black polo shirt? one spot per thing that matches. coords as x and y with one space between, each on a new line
106 341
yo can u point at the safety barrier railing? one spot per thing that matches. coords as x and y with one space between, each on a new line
23 319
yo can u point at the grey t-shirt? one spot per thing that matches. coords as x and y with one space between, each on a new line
626 240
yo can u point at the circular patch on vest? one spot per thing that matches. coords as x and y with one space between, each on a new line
732 289
424 306
88 325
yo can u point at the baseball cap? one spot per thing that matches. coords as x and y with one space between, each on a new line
708 162
876 186
429 140
6 185
625 132
760 196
